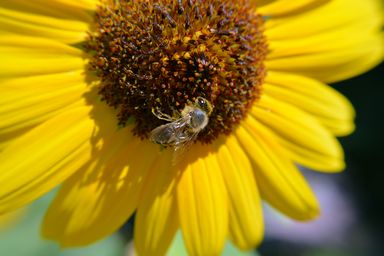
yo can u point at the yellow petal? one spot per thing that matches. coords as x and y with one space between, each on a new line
9 137
327 18
259 3
51 8
279 181
285 7
101 196
29 101
44 21
18 27
156 219
245 212
202 202
327 45
28 107
334 40
27 46
306 140
44 81
86 4
332 66
323 102
44 157
18 64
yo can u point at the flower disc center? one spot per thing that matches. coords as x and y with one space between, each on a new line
162 55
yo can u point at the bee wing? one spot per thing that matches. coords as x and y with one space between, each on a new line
170 133
177 134
163 134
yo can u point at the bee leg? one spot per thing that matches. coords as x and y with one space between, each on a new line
161 115
176 114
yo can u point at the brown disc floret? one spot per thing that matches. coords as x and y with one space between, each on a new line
164 54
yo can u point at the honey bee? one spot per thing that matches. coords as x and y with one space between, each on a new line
184 128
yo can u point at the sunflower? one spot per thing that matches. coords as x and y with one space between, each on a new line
86 83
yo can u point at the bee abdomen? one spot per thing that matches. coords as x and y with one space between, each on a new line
164 135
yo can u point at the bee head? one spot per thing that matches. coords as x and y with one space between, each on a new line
204 105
